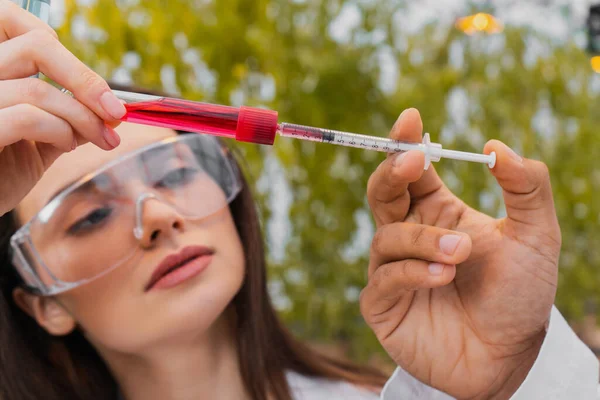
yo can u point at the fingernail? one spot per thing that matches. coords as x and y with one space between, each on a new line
436 269
111 137
74 145
449 243
112 105
514 155
399 159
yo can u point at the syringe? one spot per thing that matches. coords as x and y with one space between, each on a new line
251 124
257 125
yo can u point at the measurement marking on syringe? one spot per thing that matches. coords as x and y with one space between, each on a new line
343 138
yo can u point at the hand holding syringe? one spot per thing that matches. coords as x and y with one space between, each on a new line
257 125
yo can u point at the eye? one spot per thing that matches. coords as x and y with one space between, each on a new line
178 177
90 221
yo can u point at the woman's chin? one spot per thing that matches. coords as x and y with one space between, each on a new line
192 313
167 327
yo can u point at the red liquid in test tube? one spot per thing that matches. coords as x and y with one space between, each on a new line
246 124
185 115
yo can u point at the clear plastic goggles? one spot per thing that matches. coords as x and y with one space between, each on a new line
58 249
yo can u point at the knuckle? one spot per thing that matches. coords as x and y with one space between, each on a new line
448 206
376 242
11 12
405 266
33 89
366 307
89 80
379 275
417 236
373 183
387 271
92 122
42 38
53 33
379 242
382 187
25 117
38 42
388 192
410 282
538 182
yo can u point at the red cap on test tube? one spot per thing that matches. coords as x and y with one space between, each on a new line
256 125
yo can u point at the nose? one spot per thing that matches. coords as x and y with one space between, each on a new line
155 220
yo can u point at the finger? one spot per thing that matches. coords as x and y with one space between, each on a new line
391 282
526 188
15 21
400 241
38 51
409 128
28 122
43 95
387 189
115 124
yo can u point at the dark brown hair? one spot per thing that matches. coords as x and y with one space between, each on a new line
35 365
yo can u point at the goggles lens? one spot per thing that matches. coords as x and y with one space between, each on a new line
97 224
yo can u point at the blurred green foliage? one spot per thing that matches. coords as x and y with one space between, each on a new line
279 54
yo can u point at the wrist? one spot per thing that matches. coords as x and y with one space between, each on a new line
516 371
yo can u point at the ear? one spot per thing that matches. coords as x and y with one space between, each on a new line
48 313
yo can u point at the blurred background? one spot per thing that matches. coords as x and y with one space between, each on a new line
520 71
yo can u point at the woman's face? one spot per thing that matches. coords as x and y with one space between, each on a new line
116 311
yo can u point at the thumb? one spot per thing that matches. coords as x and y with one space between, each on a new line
526 188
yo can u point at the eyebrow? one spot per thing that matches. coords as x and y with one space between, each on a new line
45 212
85 186
156 151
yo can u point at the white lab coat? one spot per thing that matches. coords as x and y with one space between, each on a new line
564 370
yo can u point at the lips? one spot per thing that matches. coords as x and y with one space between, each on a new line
171 270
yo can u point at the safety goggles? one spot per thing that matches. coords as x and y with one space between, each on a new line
97 223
